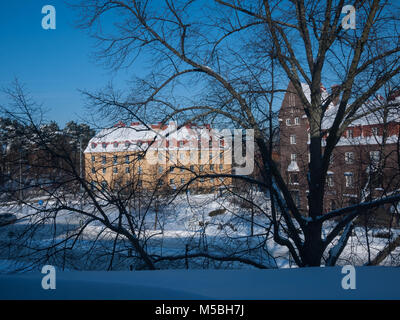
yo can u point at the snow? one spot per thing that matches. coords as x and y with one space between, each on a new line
139 133
367 114
304 283
293 167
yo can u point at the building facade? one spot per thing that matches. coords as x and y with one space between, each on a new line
365 162
158 156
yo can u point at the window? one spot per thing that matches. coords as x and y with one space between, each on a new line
140 170
115 159
375 131
180 144
221 155
349 133
93 158
127 170
296 197
211 167
349 179
288 122
191 167
139 183
104 170
329 180
294 178
297 121
115 144
291 100
181 170
93 170
182 180
375 156
160 169
172 181
292 139
221 167
104 145
349 157
201 179
126 159
127 144
104 184
115 170
171 169
333 205
93 145
293 157
201 168
103 159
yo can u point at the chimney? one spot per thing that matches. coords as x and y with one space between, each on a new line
335 91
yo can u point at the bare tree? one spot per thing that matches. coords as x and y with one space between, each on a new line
230 48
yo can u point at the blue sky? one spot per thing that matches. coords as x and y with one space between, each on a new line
53 64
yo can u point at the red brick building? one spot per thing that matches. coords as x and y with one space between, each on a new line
365 163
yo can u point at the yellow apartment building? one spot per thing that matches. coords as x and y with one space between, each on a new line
158 156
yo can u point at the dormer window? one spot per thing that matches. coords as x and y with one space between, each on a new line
375 131
94 145
127 144
180 144
115 144
104 145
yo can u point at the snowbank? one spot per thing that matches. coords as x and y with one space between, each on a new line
306 283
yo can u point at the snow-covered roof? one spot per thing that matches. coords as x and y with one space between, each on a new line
367 113
136 137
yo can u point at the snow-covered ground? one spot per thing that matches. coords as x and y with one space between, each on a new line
184 224
304 283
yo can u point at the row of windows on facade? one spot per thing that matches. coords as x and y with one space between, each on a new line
104 184
374 156
180 144
160 157
349 134
349 180
296 121
161 169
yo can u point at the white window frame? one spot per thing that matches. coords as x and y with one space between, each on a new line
347 158
349 182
